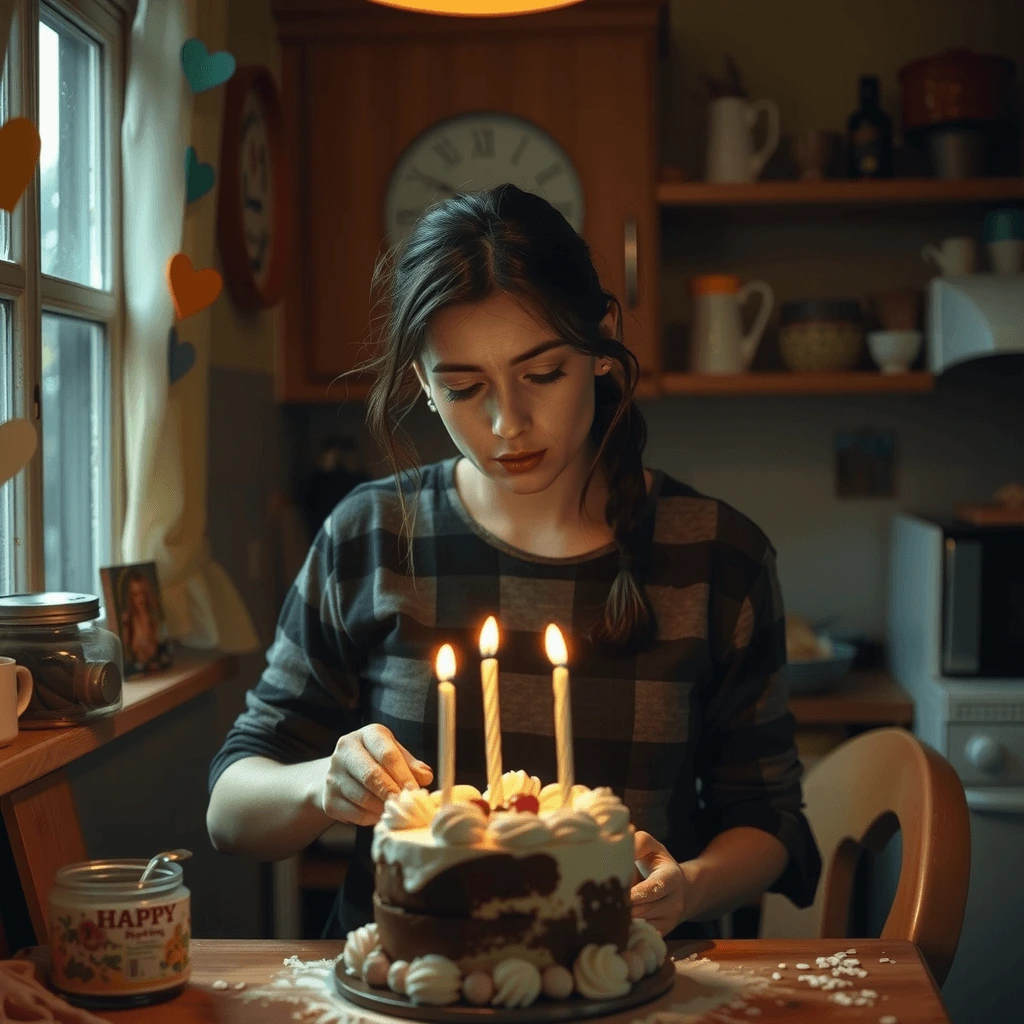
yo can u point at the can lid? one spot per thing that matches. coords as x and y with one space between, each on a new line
53 608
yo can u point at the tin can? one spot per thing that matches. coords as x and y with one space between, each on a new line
114 945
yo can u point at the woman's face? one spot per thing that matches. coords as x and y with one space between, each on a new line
137 595
505 384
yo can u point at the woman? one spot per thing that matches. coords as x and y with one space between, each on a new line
139 632
669 599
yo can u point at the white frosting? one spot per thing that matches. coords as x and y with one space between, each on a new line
460 794
517 983
606 809
516 831
550 796
462 824
433 980
411 808
570 826
359 944
645 940
600 972
516 784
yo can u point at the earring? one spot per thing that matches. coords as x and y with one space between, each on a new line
430 404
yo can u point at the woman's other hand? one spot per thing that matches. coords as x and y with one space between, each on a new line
660 897
367 767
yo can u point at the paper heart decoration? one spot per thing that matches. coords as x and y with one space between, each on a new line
181 356
191 290
19 153
18 441
199 177
203 69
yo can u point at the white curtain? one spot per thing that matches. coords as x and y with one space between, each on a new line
166 425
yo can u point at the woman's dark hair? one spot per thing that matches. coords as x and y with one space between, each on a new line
465 249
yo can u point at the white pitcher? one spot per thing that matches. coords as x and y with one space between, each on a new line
731 155
717 341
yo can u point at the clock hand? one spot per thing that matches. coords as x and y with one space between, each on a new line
426 179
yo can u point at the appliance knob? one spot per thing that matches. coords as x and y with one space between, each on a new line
984 753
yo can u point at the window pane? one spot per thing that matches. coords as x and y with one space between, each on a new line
72 199
5 113
76 447
6 490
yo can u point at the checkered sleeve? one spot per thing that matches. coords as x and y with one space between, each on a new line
747 759
308 695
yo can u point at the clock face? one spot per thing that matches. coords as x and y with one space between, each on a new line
257 187
477 151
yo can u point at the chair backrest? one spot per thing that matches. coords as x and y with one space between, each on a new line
858 796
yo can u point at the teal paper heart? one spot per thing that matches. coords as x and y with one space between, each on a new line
205 70
198 176
181 356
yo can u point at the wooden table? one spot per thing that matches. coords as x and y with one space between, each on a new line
905 989
35 795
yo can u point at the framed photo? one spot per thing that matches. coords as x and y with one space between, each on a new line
134 612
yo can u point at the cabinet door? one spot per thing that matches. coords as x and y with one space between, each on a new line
358 102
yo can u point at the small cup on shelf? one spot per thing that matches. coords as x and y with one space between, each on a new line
894 351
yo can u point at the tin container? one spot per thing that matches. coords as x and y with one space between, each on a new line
114 945
76 664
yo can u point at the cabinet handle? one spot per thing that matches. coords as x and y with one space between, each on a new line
632 284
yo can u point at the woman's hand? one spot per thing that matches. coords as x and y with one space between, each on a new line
661 897
367 767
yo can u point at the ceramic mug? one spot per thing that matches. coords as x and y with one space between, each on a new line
954 257
731 155
15 693
1006 255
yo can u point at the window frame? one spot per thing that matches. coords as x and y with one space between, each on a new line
32 293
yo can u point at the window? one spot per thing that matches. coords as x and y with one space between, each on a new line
60 296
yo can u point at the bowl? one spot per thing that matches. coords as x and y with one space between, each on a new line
894 351
817 674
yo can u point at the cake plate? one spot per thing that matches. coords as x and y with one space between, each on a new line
544 1010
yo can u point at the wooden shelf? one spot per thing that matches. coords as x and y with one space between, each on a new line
892 191
37 752
852 382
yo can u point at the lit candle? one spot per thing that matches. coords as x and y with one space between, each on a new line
492 712
554 644
444 668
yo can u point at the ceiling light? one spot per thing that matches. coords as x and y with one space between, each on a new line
478 8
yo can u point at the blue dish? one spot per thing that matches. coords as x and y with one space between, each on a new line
819 674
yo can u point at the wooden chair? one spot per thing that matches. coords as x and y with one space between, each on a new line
857 797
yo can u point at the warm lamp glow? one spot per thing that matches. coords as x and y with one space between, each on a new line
489 638
554 645
444 664
478 8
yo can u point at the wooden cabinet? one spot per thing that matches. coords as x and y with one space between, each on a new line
361 81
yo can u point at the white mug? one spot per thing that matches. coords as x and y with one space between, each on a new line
954 257
731 156
1007 255
15 693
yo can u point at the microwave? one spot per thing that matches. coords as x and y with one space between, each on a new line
957 590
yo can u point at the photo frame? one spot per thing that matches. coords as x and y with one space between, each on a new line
131 594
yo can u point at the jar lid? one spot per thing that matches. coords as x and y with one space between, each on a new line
54 608
844 310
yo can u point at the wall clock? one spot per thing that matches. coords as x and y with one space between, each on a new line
252 210
474 151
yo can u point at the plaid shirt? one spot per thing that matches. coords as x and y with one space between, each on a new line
693 733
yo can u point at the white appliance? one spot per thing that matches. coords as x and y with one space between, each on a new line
974 316
948 583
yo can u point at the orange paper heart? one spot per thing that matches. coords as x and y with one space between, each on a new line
191 290
19 153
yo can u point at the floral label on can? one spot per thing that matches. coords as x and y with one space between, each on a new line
120 949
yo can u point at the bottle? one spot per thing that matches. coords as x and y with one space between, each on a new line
869 135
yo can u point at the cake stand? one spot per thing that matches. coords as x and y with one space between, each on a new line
544 1010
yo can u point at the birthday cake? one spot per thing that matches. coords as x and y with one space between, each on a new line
504 902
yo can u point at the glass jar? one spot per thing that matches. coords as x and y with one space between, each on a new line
76 665
114 945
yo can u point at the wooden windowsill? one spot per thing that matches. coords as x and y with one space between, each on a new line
37 752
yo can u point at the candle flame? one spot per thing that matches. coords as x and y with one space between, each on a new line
444 664
489 638
554 645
